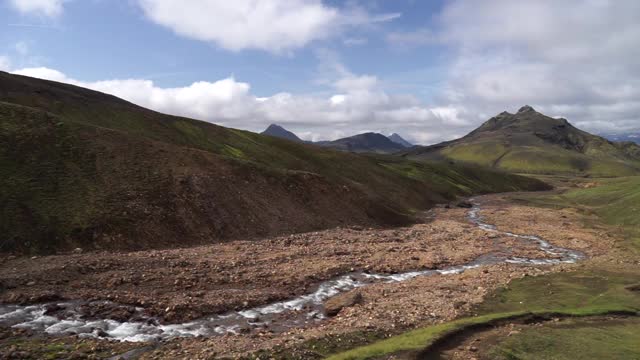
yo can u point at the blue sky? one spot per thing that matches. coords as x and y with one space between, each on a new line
430 70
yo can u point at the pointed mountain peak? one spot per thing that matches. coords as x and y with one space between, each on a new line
526 108
396 138
280 132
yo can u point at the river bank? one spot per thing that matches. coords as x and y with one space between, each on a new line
282 268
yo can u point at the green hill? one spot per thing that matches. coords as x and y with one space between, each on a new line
530 142
80 168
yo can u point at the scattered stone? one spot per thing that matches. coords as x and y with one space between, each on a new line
334 305
464 204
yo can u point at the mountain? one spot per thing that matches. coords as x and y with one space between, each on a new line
367 142
79 168
280 132
530 142
632 137
399 140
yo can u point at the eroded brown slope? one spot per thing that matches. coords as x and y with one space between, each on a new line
84 169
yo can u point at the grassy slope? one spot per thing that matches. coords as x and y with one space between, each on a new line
575 340
576 294
82 168
593 290
540 158
530 142
616 201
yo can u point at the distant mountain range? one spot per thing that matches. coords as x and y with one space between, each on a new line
366 142
633 137
531 142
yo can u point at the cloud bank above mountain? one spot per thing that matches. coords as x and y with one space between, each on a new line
576 59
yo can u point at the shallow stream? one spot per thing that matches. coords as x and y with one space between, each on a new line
276 317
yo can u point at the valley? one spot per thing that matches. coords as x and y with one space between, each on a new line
174 286
319 180
132 234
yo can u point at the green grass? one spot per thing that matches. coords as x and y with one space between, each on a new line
424 337
81 166
416 339
484 153
579 294
585 292
538 159
574 340
615 201
544 160
535 144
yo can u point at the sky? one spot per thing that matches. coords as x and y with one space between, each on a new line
428 70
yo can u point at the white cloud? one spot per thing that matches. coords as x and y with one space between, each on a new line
275 26
576 59
356 107
5 63
50 8
353 83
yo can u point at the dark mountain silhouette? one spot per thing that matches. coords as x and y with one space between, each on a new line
367 142
399 140
280 132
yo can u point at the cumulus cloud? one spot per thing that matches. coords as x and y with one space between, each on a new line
274 26
576 59
49 8
357 105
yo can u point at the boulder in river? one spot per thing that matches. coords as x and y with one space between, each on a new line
335 304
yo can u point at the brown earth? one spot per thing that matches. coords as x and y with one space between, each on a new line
79 168
187 283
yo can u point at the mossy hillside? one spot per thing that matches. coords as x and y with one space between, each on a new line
573 339
84 167
530 142
616 201
485 153
540 159
586 290
74 104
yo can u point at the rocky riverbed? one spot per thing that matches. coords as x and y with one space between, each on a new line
177 286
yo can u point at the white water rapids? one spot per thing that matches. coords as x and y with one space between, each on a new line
278 316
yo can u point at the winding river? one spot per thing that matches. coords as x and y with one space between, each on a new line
279 316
